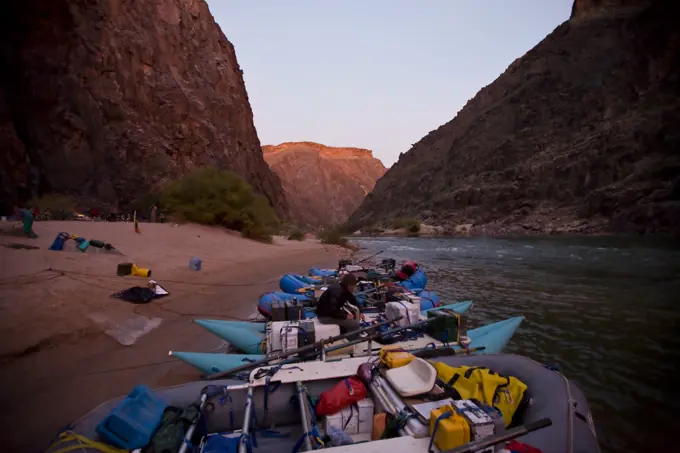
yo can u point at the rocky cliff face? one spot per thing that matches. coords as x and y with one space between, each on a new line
323 184
108 99
579 135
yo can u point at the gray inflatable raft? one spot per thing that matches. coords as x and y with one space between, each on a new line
551 395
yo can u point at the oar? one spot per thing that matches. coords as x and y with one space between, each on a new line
320 344
369 257
444 352
370 338
375 336
509 434
310 347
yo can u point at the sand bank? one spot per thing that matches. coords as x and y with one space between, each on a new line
57 362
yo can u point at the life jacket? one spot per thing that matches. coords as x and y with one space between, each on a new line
505 393
407 270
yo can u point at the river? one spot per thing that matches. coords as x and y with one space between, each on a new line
605 311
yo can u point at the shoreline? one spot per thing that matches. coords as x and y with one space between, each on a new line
56 358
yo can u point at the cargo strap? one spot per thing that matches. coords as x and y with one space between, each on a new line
245 438
313 434
349 387
446 414
408 318
226 399
351 414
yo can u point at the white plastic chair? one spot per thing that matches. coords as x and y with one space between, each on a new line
416 378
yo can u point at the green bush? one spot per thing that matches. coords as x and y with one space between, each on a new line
297 235
216 197
334 236
60 207
409 224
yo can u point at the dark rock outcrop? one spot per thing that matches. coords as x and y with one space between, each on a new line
579 135
108 99
323 184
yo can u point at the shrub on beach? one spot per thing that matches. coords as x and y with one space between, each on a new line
211 196
297 235
409 224
335 236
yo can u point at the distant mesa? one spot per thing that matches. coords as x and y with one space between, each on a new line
323 184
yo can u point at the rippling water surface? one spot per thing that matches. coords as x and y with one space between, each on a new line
604 310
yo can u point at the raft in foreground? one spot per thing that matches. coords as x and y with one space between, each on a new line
553 396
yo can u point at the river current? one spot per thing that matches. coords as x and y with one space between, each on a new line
605 311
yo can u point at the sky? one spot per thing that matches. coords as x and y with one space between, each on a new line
375 74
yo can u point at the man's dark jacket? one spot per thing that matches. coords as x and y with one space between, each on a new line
331 302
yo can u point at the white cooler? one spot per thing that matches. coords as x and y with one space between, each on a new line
410 312
357 418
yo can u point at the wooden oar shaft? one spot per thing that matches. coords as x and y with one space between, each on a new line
310 347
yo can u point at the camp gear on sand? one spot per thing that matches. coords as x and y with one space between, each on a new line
132 269
140 294
195 264
124 269
140 271
59 241
83 245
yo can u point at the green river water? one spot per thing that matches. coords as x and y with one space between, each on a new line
605 311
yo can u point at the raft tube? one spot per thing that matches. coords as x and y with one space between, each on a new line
264 305
209 363
316 272
291 283
492 337
428 299
416 281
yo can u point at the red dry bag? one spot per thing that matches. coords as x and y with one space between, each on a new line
344 393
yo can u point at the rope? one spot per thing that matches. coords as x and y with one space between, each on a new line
223 285
83 442
570 416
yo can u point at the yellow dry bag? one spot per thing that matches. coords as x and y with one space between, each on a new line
502 392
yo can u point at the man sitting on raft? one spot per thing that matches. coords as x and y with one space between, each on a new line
337 305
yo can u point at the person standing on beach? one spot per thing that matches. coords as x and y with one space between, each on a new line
337 305
26 216
154 211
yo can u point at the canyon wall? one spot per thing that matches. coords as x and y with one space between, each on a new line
579 135
106 100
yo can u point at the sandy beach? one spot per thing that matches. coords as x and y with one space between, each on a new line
56 359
